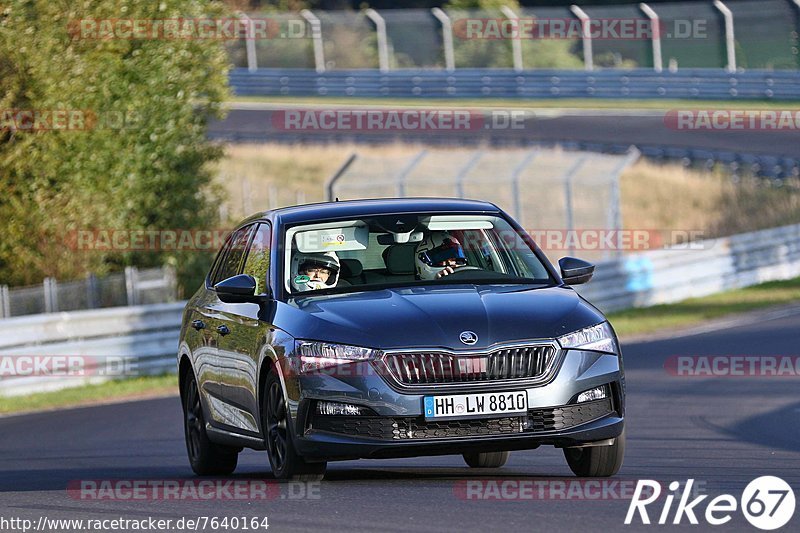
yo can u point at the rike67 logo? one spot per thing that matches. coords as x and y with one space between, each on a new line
767 503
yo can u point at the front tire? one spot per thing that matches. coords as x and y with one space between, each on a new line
597 461
206 457
486 459
286 463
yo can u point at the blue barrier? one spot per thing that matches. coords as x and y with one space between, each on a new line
708 84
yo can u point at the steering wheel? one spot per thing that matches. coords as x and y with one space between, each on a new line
461 270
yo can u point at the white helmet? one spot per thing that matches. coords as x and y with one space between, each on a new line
301 261
433 253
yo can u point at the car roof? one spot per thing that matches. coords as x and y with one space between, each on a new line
372 207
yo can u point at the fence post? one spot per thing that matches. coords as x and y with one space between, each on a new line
92 299
401 176
516 44
50 287
272 190
655 21
586 36
5 302
316 37
730 42
131 285
515 184
338 174
171 282
567 177
247 200
462 173
250 43
615 214
383 42
447 38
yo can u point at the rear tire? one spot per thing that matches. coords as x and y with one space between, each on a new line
206 457
486 459
597 461
287 464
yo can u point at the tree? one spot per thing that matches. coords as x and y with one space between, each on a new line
136 157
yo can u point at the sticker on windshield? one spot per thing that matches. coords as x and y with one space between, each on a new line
333 240
301 279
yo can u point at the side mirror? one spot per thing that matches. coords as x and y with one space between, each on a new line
238 289
575 271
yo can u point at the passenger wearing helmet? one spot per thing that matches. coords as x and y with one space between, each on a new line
312 271
439 255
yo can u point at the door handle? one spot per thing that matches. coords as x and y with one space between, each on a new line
198 325
223 330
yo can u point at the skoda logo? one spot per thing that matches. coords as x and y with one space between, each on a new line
468 337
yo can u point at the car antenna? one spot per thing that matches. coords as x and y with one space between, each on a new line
337 198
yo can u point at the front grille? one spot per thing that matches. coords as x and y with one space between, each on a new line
413 428
508 363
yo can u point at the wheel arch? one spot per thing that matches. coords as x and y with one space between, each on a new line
184 367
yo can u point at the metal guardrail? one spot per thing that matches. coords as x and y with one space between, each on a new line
695 269
147 336
142 340
705 83
132 287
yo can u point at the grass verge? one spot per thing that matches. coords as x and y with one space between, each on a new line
654 196
119 390
694 311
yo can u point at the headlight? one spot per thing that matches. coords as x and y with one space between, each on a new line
318 355
599 338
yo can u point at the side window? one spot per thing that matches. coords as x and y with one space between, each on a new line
229 265
257 262
212 274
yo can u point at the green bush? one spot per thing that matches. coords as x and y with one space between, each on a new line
142 160
489 53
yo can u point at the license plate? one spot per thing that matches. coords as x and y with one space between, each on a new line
475 405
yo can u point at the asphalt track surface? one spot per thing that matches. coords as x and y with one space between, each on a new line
722 432
607 129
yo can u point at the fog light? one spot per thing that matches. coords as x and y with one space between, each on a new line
591 395
336 408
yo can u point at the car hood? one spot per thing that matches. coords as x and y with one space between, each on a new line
436 316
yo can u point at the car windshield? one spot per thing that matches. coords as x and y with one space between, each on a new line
408 249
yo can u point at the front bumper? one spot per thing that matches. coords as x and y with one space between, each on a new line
397 427
333 447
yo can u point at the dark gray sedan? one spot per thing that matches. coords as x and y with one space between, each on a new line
395 328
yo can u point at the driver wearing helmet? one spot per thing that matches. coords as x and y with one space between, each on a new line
439 255
313 271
